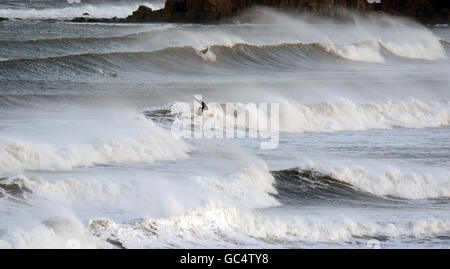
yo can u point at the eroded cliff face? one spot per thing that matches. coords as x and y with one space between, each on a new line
427 11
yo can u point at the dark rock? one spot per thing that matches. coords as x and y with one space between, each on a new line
145 14
3 19
104 20
210 11
86 14
216 10
426 11
142 12
213 11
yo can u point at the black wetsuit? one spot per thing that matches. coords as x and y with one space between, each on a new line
204 106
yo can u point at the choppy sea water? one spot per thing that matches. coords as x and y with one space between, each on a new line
88 159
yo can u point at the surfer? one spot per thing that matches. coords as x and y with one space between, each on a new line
205 50
203 104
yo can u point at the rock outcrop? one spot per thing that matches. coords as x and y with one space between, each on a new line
105 20
212 11
216 10
427 11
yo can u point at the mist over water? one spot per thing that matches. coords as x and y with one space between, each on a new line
87 153
68 9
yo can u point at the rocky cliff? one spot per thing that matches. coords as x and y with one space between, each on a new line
426 11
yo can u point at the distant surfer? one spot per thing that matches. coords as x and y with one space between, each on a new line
203 104
205 50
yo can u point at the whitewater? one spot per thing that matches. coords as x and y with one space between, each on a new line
88 158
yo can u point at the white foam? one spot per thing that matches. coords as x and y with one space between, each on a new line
221 226
359 41
137 196
150 192
144 148
215 212
426 49
388 181
365 52
208 56
62 233
250 187
95 140
344 115
340 115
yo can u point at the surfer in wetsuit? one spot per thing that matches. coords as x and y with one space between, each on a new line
203 104
205 50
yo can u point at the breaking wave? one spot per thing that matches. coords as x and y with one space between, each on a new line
354 181
252 186
226 226
297 186
225 57
79 163
147 144
13 187
222 227
230 219
342 115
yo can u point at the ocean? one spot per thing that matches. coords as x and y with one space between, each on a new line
89 157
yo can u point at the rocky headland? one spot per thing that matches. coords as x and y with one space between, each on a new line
213 11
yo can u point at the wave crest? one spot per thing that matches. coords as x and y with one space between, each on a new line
343 115
222 226
286 56
388 182
147 143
